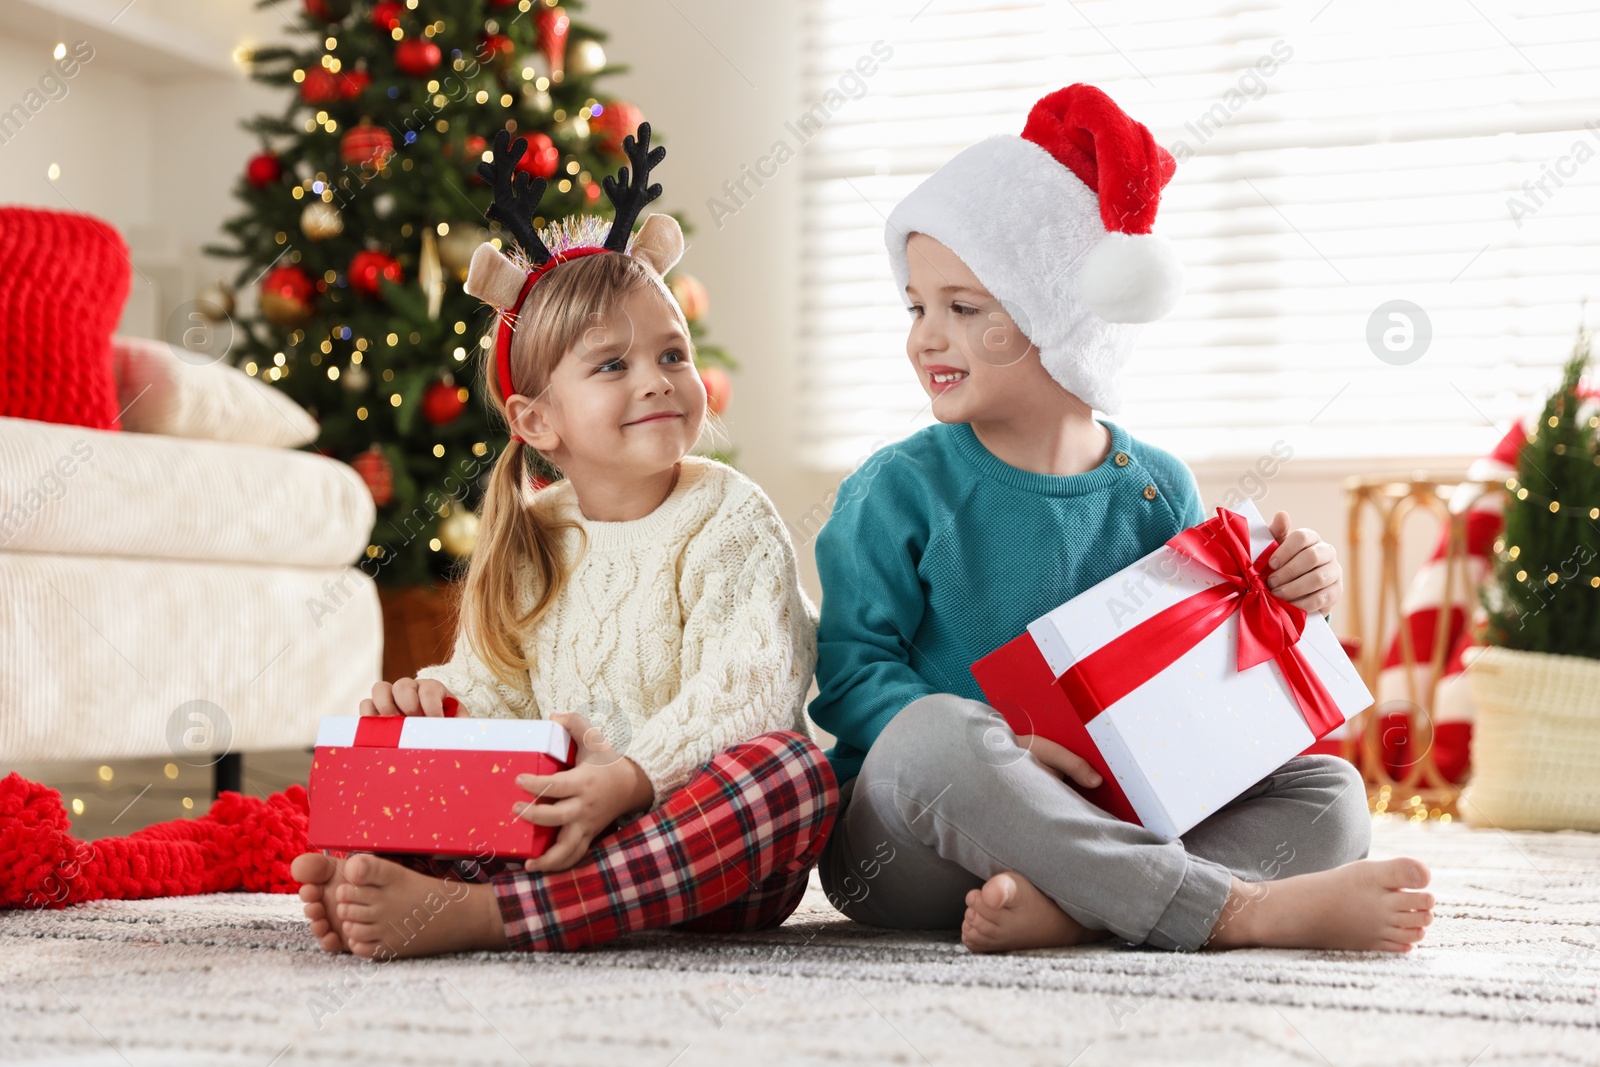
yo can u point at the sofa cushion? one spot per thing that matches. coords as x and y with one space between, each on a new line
115 658
64 279
77 491
160 391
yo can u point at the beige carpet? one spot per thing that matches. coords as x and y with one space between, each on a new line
1511 973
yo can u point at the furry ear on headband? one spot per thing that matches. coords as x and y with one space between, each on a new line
496 279
493 278
659 242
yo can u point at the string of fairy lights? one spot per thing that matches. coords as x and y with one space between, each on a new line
1510 553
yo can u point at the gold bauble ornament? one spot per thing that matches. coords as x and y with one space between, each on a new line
573 130
355 379
536 100
586 57
458 532
215 302
321 220
457 246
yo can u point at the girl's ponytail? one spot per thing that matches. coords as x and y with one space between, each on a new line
514 539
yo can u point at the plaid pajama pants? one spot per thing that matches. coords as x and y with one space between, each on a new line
731 850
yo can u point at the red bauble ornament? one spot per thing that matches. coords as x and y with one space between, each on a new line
386 15
615 121
690 294
327 10
367 267
373 466
263 170
287 295
320 86
416 56
351 84
542 157
495 48
718 389
442 403
553 25
366 144
591 192
473 148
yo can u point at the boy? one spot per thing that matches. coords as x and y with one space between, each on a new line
1025 262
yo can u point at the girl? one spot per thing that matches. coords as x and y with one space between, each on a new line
649 602
1022 261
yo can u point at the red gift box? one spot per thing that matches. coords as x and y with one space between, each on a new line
442 786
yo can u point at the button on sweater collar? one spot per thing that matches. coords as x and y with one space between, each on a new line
995 469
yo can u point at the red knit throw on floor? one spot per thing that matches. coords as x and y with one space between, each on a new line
242 843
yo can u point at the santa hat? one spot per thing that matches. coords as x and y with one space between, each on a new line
1057 225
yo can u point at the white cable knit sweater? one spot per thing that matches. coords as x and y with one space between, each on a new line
678 634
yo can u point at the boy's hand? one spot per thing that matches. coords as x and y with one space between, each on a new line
587 799
1305 568
408 696
1062 761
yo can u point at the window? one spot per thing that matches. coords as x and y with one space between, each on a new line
1332 160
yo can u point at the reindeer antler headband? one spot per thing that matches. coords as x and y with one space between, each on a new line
506 282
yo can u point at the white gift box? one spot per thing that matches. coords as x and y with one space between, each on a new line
1196 734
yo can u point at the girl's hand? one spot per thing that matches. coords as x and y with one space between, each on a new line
1064 762
1305 568
602 785
408 697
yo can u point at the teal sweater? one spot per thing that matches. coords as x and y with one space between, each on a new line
937 553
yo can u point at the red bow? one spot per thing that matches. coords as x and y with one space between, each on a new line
1269 628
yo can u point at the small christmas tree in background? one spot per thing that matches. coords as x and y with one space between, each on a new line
361 215
1545 594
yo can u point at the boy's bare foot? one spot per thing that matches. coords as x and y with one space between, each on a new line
318 875
1010 913
388 911
1365 905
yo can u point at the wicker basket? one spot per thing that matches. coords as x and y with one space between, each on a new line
1536 742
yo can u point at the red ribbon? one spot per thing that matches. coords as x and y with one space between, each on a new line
383 731
1269 628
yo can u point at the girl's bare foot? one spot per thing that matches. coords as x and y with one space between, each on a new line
1365 905
389 911
318 875
1010 913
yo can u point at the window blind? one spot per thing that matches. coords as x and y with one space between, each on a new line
1333 160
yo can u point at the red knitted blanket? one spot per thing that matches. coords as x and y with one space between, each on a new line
242 843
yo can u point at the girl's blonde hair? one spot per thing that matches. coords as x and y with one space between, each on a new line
514 533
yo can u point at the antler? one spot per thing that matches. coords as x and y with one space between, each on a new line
516 197
636 194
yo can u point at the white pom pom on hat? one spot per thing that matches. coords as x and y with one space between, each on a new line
1131 277
1057 224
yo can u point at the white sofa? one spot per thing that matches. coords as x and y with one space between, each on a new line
166 595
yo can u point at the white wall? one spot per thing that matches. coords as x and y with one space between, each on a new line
150 141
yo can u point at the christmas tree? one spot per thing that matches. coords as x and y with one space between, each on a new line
1545 592
360 217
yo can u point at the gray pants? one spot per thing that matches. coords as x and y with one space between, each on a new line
946 799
